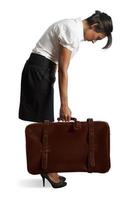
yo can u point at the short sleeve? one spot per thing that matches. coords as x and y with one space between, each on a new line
67 38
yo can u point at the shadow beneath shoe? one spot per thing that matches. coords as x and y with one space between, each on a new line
33 183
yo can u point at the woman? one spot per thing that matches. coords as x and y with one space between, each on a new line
55 48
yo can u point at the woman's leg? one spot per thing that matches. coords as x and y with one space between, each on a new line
37 95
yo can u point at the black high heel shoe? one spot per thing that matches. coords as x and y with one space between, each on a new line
54 185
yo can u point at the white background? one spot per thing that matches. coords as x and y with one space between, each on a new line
100 87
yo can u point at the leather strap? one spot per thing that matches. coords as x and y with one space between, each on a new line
91 142
45 146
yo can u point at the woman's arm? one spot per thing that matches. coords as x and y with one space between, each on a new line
63 63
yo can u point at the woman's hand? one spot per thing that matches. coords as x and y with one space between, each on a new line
65 113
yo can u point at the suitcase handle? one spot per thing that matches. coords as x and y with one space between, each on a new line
72 118
76 124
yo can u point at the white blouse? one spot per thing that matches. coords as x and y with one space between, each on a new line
66 32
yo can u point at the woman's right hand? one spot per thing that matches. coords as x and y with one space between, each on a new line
65 113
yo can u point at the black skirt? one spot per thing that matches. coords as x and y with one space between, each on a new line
37 89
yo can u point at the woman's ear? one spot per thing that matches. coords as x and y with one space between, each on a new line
93 26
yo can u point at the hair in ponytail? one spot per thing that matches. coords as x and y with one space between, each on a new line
104 25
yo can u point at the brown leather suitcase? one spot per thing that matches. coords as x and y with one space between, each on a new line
74 146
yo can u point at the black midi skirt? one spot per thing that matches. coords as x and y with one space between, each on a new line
37 89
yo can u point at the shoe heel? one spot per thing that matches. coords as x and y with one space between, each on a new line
43 179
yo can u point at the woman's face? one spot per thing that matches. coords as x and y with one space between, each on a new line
92 35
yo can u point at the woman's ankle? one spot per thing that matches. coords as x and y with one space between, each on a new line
53 174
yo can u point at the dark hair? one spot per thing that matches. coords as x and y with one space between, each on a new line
104 25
